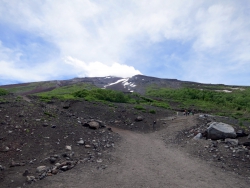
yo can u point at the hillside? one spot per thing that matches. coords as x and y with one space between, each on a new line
122 132
137 83
219 99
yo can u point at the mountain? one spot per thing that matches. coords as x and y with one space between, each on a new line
137 83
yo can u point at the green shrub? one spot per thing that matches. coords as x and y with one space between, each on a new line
139 107
206 99
241 123
102 95
161 104
152 111
3 92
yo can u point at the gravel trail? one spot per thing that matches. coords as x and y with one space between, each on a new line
143 160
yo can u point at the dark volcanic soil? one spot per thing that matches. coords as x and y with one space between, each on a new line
128 152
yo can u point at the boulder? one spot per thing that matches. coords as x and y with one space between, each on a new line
219 130
101 124
94 125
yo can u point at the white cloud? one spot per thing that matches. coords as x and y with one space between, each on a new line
92 69
94 34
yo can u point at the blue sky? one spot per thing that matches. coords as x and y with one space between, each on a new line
202 41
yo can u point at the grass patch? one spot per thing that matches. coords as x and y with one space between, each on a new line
235 104
139 107
3 92
49 114
152 111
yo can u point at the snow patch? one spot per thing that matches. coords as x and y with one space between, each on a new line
226 91
118 81
124 82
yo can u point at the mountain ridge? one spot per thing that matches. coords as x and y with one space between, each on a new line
137 83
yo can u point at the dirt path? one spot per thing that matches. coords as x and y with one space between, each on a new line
143 160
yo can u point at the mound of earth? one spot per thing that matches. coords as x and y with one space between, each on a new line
90 144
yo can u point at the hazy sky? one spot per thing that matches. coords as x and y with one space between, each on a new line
205 41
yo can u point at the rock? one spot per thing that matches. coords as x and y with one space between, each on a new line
6 148
219 130
57 164
54 171
246 144
1 168
53 126
26 173
80 142
21 115
85 124
241 133
30 179
64 168
101 124
198 136
202 116
43 175
18 127
248 137
68 148
139 118
99 160
38 119
45 124
94 125
41 169
87 146
13 164
65 105
234 142
52 160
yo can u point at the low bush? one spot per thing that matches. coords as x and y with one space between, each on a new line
139 107
3 92
152 111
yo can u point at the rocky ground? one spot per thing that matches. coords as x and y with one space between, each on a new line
42 144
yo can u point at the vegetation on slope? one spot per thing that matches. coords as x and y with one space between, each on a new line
236 103
91 93
205 98
103 95
3 92
19 89
65 92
